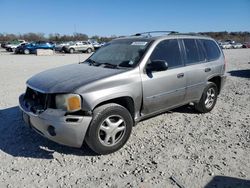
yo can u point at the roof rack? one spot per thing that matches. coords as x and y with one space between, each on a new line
190 34
148 33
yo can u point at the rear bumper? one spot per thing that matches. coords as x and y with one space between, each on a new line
54 125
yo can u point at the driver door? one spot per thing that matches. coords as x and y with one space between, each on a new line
164 89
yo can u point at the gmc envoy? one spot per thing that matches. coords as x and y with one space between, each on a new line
99 100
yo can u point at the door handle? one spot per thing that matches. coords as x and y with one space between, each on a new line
180 75
207 69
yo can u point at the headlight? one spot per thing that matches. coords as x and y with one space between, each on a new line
68 102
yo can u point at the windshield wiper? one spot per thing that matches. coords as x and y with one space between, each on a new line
110 65
92 62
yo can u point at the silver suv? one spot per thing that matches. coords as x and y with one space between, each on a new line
80 46
124 82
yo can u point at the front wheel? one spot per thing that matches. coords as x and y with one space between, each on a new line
208 98
89 50
110 128
71 50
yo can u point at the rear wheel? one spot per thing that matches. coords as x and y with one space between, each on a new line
208 98
110 128
26 51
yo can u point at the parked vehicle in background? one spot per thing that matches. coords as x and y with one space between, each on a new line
133 78
246 45
3 44
96 45
60 47
79 46
230 41
32 47
103 43
11 46
237 45
226 45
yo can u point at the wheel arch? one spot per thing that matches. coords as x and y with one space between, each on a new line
125 101
72 48
217 81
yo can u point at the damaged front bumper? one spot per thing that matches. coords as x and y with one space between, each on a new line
53 124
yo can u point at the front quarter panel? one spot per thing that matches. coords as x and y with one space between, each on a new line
126 84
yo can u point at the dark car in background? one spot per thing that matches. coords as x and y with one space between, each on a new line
3 44
32 47
60 46
246 45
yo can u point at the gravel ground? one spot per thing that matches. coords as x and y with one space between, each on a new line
197 150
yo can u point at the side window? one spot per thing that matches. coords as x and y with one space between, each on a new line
211 49
192 54
202 56
169 51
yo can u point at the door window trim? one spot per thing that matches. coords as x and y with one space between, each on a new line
180 50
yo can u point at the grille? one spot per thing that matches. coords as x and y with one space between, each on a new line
35 101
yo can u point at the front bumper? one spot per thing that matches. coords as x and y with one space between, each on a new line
68 130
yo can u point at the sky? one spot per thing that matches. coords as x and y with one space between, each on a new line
122 17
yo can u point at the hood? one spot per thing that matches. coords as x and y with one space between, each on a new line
68 78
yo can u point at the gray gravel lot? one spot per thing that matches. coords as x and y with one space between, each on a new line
199 150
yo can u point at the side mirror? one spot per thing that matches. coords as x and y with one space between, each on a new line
157 65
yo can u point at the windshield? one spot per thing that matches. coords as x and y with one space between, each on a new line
122 53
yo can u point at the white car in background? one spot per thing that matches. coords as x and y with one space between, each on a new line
237 45
13 45
226 45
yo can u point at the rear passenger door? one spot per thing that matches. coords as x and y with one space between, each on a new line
164 89
195 68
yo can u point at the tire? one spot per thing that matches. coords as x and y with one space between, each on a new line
26 51
109 129
208 98
71 50
89 50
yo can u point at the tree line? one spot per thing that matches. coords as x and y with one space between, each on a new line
236 36
56 37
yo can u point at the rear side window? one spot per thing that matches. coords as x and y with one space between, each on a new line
202 56
192 54
212 50
169 51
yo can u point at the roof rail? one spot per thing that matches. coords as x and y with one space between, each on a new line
148 33
190 34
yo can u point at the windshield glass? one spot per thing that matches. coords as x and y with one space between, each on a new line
123 53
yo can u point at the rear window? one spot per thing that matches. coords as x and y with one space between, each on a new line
212 50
